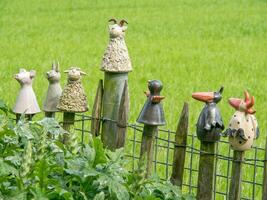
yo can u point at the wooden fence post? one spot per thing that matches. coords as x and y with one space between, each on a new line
264 186
209 129
235 185
180 147
206 171
123 117
152 116
147 149
96 112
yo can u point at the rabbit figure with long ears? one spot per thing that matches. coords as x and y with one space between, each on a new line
54 90
26 102
243 127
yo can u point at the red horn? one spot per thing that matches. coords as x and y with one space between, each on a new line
246 96
250 103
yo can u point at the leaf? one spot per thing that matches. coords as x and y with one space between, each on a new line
89 153
119 191
100 156
4 107
38 194
100 196
21 195
6 169
51 126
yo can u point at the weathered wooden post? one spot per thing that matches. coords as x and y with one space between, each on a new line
264 185
73 99
96 112
116 64
209 128
54 91
151 116
180 148
123 117
242 131
26 102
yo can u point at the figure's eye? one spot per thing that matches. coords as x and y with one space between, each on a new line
112 28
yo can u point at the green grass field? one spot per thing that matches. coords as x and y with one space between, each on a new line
190 45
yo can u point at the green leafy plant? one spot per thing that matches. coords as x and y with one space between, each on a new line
34 164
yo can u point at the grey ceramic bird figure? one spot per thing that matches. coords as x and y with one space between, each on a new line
210 123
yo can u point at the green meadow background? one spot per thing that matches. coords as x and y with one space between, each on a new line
190 45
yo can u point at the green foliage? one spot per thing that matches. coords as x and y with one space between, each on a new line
34 164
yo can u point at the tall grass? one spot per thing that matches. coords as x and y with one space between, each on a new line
190 45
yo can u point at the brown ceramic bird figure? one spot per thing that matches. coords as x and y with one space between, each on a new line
243 127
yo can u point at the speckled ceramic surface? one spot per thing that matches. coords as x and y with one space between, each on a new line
116 58
243 127
73 98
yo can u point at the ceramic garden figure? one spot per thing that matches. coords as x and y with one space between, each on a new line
151 116
26 100
54 90
116 65
210 123
243 127
152 112
116 58
73 98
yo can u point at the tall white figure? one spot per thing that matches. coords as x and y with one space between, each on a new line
26 100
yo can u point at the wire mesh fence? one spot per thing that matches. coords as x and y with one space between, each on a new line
164 145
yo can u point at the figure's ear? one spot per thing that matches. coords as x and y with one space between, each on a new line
57 67
83 73
22 70
54 65
124 28
221 90
32 73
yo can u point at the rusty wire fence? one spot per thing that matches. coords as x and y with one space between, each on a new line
164 145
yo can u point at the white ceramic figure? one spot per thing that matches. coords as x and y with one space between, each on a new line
26 100
116 58
243 127
54 89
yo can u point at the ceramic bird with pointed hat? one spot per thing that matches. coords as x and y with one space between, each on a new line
243 127
210 123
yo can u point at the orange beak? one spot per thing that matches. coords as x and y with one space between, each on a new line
234 102
203 96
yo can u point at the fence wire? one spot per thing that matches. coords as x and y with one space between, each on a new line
164 145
